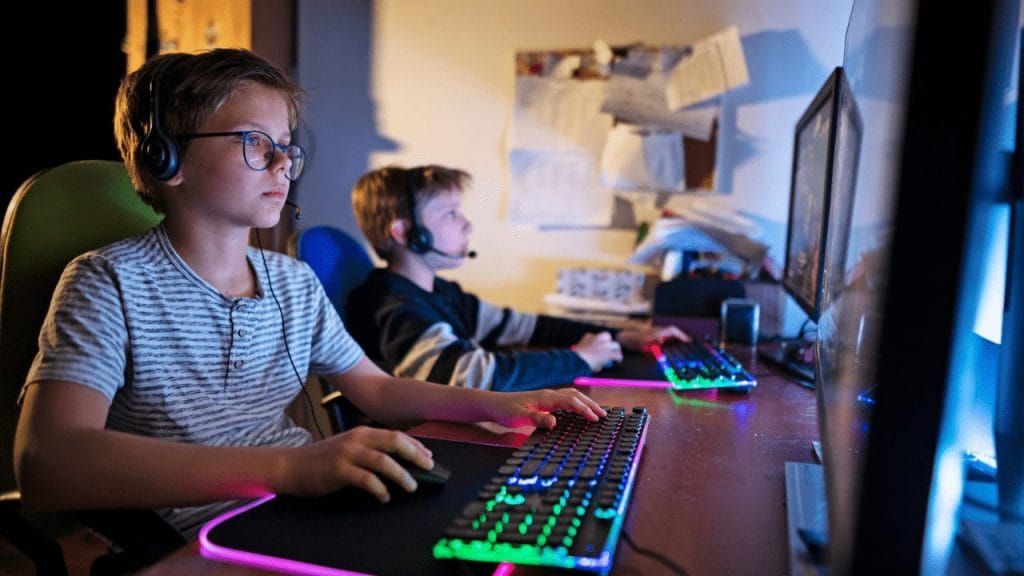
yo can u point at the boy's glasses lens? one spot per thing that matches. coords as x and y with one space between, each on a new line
258 150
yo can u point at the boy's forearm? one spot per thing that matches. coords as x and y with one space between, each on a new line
405 401
86 469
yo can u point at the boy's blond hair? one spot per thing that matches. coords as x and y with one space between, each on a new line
387 194
191 88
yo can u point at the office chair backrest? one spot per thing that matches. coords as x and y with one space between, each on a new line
54 216
339 261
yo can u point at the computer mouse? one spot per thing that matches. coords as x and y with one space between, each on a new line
426 480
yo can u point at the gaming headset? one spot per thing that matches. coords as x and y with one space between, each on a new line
419 237
158 151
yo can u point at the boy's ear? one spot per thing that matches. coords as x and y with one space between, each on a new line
397 231
175 180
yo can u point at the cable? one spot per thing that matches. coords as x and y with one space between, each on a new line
803 329
652 554
284 336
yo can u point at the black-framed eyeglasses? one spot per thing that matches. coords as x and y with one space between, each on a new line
258 150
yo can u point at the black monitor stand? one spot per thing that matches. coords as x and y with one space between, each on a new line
796 357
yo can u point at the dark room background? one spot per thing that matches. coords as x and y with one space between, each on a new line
61 78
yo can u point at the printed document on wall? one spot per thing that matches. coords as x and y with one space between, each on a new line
555 144
637 93
637 159
714 66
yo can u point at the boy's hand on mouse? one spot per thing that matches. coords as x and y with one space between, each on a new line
638 339
516 409
359 458
598 350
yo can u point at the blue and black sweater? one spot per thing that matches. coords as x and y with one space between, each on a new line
452 337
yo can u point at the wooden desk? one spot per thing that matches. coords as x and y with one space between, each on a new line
710 494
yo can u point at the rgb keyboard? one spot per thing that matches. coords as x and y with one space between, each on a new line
695 365
557 501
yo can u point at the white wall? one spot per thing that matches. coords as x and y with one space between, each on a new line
411 82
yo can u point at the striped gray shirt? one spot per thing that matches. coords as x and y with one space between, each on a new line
181 361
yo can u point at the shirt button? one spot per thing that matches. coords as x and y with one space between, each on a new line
241 332
239 364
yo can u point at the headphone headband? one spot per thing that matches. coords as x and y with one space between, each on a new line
419 237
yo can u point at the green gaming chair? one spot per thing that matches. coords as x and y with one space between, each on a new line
54 216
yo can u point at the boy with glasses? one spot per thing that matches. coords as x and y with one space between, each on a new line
167 360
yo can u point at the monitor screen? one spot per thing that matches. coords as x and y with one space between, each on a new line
901 363
810 189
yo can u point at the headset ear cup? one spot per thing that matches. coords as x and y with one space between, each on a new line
159 155
420 240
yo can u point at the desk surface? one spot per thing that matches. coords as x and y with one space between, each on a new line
710 493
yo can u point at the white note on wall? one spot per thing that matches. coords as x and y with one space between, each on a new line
559 114
558 132
552 188
715 65
636 159
637 94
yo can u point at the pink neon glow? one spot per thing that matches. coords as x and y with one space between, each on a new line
214 552
504 569
598 381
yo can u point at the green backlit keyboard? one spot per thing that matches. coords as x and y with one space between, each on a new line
557 501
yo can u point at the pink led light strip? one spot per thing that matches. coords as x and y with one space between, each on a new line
214 552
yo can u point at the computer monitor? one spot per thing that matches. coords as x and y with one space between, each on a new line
826 153
814 147
900 361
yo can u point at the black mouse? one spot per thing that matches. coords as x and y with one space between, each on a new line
426 480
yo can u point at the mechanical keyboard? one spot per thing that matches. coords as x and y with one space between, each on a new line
695 365
559 500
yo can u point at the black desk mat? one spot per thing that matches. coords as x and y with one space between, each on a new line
349 530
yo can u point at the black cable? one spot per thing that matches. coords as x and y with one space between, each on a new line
803 329
652 554
779 338
284 336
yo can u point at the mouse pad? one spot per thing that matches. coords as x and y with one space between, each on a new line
350 531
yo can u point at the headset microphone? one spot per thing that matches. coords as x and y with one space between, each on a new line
298 211
469 254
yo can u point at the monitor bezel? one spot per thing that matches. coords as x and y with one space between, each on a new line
828 95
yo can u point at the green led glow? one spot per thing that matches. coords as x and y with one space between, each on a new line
515 500
533 555
605 513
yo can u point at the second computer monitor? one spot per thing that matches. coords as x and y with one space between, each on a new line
825 154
